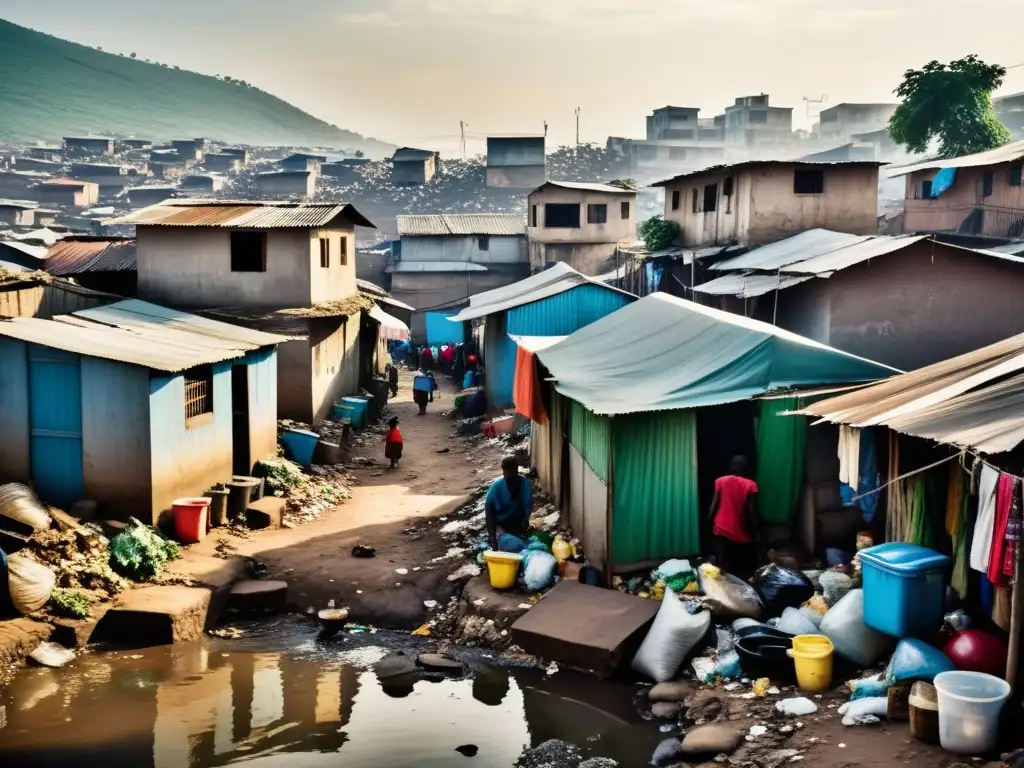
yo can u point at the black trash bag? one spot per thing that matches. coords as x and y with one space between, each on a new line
781 588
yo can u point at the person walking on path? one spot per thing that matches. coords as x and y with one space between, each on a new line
393 379
507 508
734 519
393 442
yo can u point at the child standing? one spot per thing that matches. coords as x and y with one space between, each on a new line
734 519
393 442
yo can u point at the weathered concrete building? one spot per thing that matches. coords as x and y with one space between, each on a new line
137 143
190 149
88 145
36 164
222 162
905 301
677 139
443 259
70 192
515 161
580 224
980 194
53 154
300 161
280 267
17 213
144 405
758 202
242 153
140 197
105 264
204 182
752 124
844 121
413 166
286 184
345 169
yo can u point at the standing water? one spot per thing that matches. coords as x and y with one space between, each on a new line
246 701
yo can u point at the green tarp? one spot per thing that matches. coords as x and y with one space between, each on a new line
655 513
780 459
662 353
590 434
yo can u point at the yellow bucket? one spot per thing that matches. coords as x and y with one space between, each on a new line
502 568
812 655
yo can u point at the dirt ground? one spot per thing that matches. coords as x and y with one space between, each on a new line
395 511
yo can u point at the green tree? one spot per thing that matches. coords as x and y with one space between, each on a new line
658 233
951 102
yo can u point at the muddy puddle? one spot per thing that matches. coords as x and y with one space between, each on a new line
278 698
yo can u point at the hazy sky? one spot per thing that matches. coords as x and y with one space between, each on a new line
409 70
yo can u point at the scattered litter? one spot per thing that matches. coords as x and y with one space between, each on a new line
525 606
361 550
733 686
755 731
422 631
552 669
773 691
467 571
430 604
401 571
796 707
761 686
229 633
842 746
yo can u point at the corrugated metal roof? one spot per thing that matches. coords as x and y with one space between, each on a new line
246 214
140 333
35 251
586 186
378 294
66 183
552 281
747 286
74 257
805 245
1005 154
462 224
841 258
283 174
406 267
1010 249
722 168
966 401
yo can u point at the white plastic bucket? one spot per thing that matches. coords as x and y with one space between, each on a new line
969 707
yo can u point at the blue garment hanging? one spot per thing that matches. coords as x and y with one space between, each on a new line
868 479
943 180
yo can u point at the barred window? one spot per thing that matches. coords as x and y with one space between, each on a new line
198 391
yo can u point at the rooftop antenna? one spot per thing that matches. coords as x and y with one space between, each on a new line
462 131
808 101
577 126
545 129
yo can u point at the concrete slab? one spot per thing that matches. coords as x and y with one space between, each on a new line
77 633
268 512
257 596
157 615
19 637
503 606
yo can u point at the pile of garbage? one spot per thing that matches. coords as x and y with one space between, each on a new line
308 493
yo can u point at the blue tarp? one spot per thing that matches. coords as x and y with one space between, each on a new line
441 331
943 180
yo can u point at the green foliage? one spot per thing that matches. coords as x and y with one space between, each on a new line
658 233
951 103
140 552
69 603
281 475
51 88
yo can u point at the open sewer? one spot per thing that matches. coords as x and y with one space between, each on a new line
218 702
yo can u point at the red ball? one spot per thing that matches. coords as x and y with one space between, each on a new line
975 650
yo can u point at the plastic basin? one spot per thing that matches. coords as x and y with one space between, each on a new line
812 657
969 707
904 588
299 444
502 568
357 414
190 518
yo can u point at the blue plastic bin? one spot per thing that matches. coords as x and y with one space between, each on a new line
904 588
299 444
358 413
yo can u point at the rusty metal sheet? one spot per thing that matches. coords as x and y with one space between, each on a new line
74 257
585 627
185 212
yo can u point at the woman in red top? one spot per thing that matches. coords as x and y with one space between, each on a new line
393 442
734 520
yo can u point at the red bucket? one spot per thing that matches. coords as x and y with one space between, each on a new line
190 516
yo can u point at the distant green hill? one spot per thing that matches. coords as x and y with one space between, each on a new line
50 88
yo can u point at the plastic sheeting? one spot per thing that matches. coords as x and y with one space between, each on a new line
781 441
526 389
591 434
656 512
441 331
662 353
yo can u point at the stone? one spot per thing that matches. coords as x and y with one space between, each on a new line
599 762
666 709
552 752
468 750
156 615
267 512
438 663
706 706
674 691
394 665
711 739
258 595
52 655
668 752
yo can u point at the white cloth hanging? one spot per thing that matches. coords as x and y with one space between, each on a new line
849 456
981 544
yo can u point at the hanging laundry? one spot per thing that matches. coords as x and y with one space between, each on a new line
956 527
849 455
1005 492
1013 530
981 546
1003 607
943 180
868 478
920 527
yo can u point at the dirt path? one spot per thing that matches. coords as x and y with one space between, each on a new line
393 511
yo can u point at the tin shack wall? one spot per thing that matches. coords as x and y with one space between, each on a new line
262 365
188 458
14 419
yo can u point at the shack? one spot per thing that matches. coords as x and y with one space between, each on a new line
17 213
555 302
143 405
222 162
142 197
649 403
21 254
204 182
413 166
515 161
70 192
89 145
288 184
102 263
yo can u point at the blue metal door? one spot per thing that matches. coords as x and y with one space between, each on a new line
55 419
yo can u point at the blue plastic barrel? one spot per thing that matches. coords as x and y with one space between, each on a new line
358 412
904 588
299 445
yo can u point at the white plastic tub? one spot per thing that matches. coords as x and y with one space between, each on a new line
969 707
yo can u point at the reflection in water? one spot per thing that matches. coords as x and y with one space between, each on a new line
205 705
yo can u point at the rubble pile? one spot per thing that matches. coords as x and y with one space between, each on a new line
80 558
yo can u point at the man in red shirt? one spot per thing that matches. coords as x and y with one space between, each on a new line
734 520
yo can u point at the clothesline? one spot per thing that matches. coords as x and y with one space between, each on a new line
905 475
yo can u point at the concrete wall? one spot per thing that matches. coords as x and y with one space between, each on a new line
413 171
424 290
297 185
116 448
912 308
616 230
262 375
334 350
1004 208
500 250
191 268
763 207
339 280
14 412
373 266
516 176
188 458
79 197
17 217
588 258
294 376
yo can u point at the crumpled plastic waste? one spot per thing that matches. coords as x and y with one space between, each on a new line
957 620
422 631
761 686
864 711
916 660
725 665
868 687
798 706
